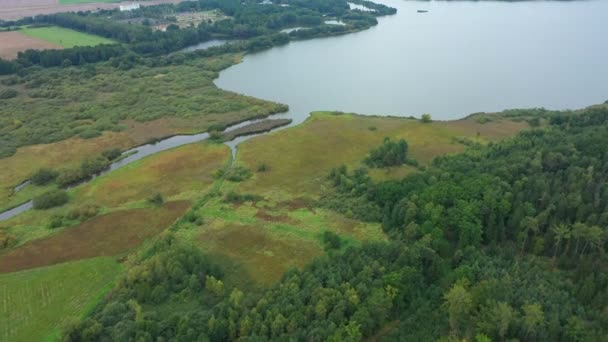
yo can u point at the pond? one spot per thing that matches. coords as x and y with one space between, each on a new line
459 58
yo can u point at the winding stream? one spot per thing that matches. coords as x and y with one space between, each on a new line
137 153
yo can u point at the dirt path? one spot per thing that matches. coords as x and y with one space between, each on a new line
17 9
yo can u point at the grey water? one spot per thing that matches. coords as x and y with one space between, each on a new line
459 58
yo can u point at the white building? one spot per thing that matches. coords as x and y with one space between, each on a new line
129 7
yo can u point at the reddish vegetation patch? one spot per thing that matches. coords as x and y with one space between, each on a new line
298 203
14 42
264 256
105 235
266 216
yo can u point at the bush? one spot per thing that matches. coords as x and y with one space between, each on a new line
331 240
157 199
483 120
426 118
534 122
69 177
233 197
372 128
92 166
89 134
216 136
263 167
8 93
44 176
234 174
112 154
51 199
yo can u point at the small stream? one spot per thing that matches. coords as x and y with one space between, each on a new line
142 151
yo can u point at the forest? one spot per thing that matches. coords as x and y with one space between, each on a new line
498 238
502 242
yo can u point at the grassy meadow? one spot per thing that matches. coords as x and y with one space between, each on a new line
298 158
37 303
65 37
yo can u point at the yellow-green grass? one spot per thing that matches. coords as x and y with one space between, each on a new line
64 154
299 158
36 304
105 235
267 238
65 37
183 172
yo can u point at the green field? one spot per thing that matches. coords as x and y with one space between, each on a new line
65 37
37 303
73 2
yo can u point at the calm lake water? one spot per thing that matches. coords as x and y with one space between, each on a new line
460 57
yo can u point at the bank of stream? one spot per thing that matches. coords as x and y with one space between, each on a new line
237 132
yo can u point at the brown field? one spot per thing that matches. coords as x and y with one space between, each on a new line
263 255
17 9
14 42
105 235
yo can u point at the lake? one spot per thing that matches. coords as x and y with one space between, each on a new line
460 57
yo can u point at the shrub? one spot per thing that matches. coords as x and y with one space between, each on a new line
234 174
83 213
8 93
69 177
44 176
372 128
157 199
233 197
426 118
483 120
56 222
331 240
51 199
112 154
534 122
92 166
263 167
89 134
216 136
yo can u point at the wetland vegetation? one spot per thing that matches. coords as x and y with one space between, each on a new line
345 227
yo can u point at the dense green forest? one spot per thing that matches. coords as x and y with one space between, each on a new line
503 242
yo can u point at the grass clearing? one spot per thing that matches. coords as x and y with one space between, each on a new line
265 239
298 158
104 235
65 37
184 172
38 302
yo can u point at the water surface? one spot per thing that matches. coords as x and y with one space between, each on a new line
460 57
